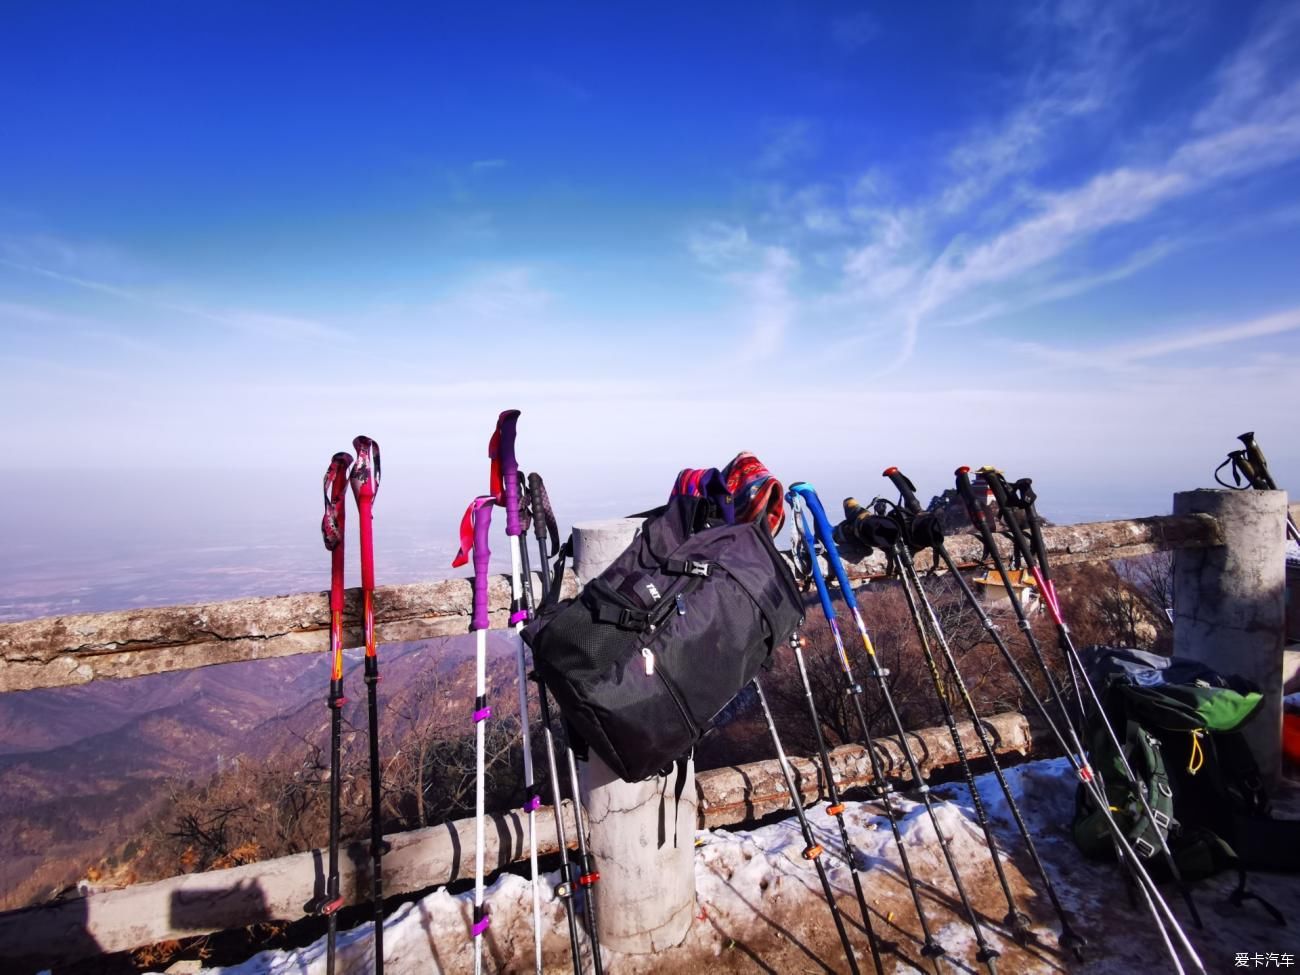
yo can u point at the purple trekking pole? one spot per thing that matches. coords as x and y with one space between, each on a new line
505 485
474 529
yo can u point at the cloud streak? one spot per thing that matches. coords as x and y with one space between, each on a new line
988 237
259 324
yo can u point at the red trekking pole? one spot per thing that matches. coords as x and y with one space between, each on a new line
331 526
365 485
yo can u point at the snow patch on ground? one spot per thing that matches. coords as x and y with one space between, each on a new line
760 904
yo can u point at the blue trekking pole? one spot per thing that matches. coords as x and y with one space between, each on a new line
987 954
930 948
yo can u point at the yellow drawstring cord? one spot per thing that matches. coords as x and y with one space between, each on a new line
1197 758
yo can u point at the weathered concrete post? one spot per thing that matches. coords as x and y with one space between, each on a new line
1230 602
646 896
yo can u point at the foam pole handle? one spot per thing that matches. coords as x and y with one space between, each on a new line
824 532
482 554
905 487
967 493
823 593
365 485
998 485
509 466
332 524
1257 460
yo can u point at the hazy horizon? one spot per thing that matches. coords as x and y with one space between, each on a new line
97 541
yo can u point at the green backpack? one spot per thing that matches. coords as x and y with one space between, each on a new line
1180 726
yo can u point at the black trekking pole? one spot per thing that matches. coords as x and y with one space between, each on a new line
836 809
836 806
1026 534
812 849
1069 938
1250 464
365 485
1072 749
930 948
987 954
336 485
565 890
913 593
1034 557
585 875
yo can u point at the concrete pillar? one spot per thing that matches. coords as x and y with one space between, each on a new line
646 896
1230 602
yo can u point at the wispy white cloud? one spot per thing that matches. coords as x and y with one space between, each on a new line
250 322
1068 287
1187 341
988 241
499 294
762 275
718 244
1129 357
1254 69
787 141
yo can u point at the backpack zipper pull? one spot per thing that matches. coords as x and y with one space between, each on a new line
648 655
681 605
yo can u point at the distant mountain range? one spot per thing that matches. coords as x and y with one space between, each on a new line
84 769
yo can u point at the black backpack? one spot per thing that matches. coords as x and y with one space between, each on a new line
650 651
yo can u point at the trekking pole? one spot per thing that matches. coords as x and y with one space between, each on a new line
564 890
836 806
365 485
913 593
986 954
836 809
1027 539
331 526
1257 462
1036 560
930 948
812 849
505 484
586 876
1072 749
1069 938
1264 477
475 529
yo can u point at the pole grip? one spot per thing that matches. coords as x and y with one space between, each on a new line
505 469
823 593
826 533
905 487
1257 461
333 523
365 486
998 485
967 494
366 471
482 515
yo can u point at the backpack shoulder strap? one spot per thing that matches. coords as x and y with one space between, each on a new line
1148 832
552 595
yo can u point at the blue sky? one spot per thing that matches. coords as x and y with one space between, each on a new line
1064 238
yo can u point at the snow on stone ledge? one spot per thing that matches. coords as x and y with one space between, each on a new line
760 905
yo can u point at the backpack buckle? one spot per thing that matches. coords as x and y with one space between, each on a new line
1145 848
1162 819
703 569
621 616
